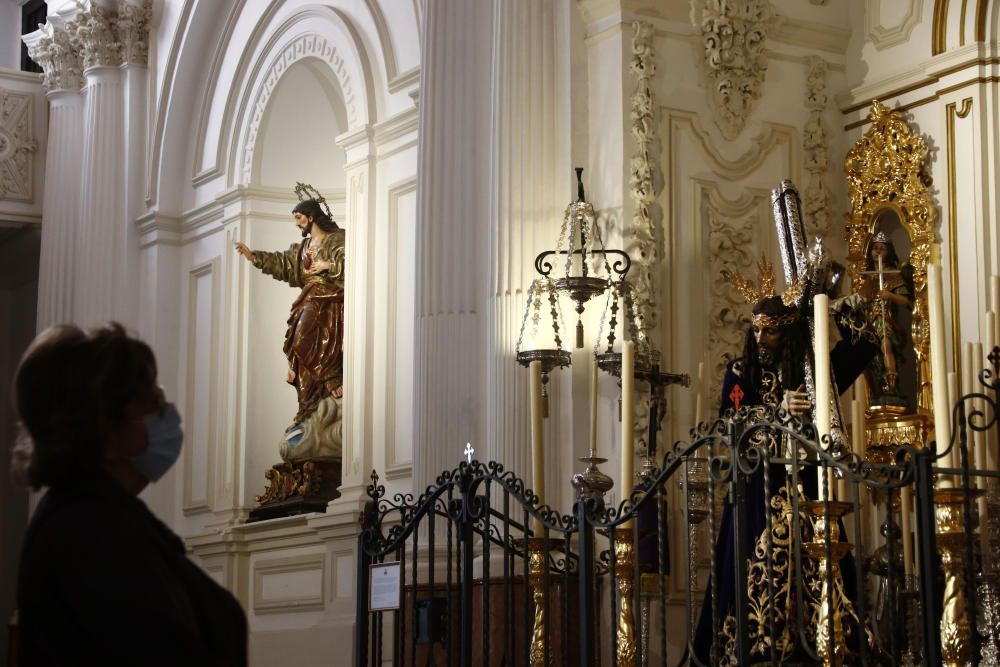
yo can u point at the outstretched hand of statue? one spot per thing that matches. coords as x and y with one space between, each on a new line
244 250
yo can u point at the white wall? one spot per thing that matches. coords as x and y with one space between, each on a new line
10 34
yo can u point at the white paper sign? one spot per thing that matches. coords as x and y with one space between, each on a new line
384 587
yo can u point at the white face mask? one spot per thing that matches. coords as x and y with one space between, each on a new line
163 430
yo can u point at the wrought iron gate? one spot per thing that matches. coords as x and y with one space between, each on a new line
490 578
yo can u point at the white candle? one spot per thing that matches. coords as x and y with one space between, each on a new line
966 384
995 293
977 452
699 399
905 504
989 460
593 407
821 354
952 460
628 398
537 436
939 372
858 443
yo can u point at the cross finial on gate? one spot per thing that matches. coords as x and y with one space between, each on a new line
469 451
374 478
736 395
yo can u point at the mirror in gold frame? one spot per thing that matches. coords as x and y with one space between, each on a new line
892 216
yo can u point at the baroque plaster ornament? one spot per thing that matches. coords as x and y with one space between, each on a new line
643 178
731 244
59 59
733 64
133 31
815 142
95 37
17 145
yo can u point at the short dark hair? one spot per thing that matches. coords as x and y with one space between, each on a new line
71 391
311 209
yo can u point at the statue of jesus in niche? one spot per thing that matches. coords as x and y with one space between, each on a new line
312 445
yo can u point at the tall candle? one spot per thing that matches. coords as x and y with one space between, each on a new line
628 399
821 354
995 293
858 443
905 504
858 439
966 384
939 372
699 399
593 407
952 460
977 453
537 436
991 341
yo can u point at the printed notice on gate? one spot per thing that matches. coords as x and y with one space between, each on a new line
385 587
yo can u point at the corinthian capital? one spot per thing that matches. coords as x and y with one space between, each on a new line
95 35
56 53
133 31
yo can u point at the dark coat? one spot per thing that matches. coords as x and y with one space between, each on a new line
104 582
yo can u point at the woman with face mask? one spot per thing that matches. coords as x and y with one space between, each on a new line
102 580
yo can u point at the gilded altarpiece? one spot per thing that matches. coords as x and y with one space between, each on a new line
888 188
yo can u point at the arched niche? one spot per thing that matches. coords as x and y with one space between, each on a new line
297 138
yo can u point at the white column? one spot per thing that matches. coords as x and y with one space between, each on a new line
51 47
531 181
102 215
132 28
452 225
100 238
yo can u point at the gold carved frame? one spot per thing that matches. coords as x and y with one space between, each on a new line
885 171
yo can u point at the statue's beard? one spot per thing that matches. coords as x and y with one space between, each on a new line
765 357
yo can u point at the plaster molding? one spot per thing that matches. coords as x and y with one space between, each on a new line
733 62
303 46
204 448
731 245
882 36
646 223
290 565
816 197
17 146
157 229
396 465
811 35
772 136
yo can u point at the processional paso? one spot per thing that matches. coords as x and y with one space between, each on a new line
779 370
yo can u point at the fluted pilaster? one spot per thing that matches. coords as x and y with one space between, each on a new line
531 184
89 249
60 209
102 214
452 223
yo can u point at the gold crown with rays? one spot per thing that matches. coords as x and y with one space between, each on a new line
766 280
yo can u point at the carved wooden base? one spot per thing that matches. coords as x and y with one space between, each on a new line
298 487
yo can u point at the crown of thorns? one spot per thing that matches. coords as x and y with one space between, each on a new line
766 279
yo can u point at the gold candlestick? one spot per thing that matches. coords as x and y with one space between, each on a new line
949 519
537 566
625 576
833 601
